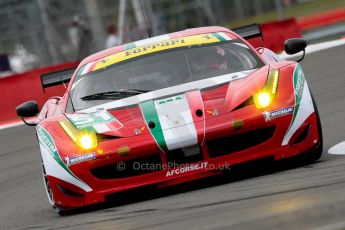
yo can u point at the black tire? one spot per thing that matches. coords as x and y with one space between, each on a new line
316 153
50 195
47 187
61 212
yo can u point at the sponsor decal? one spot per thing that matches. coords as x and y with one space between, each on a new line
168 100
154 46
303 103
139 48
79 159
82 121
277 113
185 169
47 142
55 166
298 85
100 121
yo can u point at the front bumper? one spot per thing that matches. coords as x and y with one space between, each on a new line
225 144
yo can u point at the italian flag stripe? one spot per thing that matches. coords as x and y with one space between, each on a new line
174 121
92 66
86 68
177 122
150 114
222 37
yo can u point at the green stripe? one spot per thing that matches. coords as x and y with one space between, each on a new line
150 114
298 85
220 38
81 70
130 46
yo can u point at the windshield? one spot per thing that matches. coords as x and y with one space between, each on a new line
161 70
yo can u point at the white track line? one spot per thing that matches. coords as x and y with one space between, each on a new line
310 49
16 123
11 125
338 149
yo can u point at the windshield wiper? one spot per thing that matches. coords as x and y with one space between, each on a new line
113 95
137 90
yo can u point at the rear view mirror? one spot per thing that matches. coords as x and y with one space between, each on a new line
27 109
295 45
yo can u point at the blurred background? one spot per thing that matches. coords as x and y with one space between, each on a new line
36 33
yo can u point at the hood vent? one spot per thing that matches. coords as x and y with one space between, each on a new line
249 101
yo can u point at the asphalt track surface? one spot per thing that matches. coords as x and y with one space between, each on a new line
268 196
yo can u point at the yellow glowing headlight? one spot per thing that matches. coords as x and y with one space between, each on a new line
264 99
87 141
84 138
266 95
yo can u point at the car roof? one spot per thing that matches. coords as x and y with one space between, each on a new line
179 34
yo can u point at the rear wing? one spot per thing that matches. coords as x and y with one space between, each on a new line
249 31
57 78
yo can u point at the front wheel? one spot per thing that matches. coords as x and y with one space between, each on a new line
47 187
317 152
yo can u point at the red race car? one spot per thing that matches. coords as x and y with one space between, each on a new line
171 109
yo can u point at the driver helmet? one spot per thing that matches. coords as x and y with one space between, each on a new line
209 58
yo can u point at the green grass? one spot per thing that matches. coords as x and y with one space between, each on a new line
304 9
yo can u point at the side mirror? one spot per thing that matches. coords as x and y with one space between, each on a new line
295 45
27 109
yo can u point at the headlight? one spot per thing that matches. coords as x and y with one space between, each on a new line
266 95
84 138
264 99
87 141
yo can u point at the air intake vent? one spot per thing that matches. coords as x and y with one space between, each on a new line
130 168
239 142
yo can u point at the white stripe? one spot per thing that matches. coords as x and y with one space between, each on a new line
177 123
11 125
101 128
225 36
152 40
338 149
306 108
17 123
180 137
195 85
55 169
87 67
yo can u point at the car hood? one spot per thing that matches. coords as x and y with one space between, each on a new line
171 108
